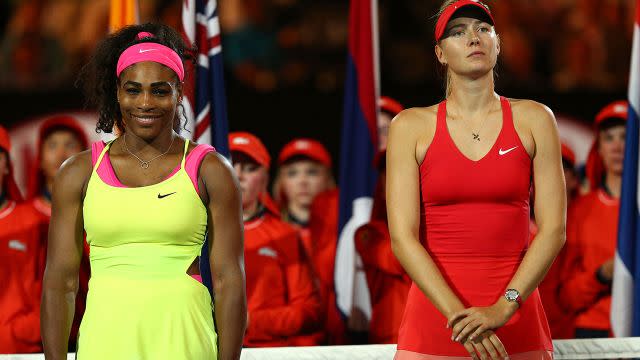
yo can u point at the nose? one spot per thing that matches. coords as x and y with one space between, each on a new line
473 38
238 169
145 101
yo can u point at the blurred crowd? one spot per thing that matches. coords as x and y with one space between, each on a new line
291 231
557 45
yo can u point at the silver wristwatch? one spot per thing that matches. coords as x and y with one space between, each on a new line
513 295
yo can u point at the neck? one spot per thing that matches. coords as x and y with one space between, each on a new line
148 147
470 95
299 212
614 184
249 211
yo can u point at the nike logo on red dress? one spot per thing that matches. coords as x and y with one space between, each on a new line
502 152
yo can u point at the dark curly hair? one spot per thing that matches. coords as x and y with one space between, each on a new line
98 77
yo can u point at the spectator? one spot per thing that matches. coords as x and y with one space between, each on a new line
21 257
592 229
283 305
59 138
304 172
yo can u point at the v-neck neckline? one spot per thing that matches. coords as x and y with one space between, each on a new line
491 149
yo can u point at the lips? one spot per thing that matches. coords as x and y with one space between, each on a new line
146 119
475 53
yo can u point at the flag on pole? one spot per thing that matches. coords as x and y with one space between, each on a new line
358 147
204 100
625 301
123 13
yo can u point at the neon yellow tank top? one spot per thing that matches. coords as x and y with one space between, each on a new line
152 230
141 303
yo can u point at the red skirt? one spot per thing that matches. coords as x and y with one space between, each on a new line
477 281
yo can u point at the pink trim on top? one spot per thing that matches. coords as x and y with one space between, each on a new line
194 159
108 175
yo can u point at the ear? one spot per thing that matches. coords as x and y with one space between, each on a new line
179 89
498 42
440 54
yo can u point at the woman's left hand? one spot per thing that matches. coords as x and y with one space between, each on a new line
471 322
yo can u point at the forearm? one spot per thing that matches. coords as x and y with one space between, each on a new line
57 310
425 273
230 314
537 261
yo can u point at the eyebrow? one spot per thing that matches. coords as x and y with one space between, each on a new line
158 83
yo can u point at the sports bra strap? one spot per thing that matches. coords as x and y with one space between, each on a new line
184 153
96 146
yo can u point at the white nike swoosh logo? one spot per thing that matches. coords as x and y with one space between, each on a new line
502 152
144 51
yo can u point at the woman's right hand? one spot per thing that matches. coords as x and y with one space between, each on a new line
486 346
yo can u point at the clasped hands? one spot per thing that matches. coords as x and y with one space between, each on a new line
473 328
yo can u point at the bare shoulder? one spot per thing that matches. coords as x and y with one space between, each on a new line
72 177
415 117
214 166
532 113
76 169
414 122
217 174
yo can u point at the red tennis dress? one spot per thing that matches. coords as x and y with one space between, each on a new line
474 222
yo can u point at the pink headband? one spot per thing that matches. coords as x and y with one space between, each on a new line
150 51
452 8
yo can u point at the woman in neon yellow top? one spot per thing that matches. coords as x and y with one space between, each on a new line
146 201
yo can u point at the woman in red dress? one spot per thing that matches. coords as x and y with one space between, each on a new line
458 181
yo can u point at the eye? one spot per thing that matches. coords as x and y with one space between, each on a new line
161 92
457 33
132 91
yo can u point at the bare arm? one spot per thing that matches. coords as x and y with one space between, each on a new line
226 254
60 283
550 205
403 203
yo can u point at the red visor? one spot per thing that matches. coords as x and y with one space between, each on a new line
448 12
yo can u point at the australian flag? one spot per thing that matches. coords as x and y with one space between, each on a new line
205 101
625 302
358 147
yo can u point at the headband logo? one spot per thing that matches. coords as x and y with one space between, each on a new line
145 50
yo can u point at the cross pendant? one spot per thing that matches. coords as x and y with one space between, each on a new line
476 137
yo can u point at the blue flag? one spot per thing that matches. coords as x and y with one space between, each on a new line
359 145
625 301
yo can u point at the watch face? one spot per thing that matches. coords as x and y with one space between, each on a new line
511 295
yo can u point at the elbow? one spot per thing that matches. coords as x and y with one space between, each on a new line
231 281
66 282
556 235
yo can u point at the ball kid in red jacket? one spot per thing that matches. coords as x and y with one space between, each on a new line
283 305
